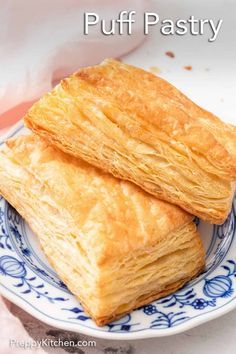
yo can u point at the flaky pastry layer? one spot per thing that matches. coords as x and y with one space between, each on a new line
141 128
115 246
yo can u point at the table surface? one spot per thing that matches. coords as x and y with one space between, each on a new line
212 84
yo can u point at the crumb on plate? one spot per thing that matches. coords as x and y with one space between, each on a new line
170 54
188 67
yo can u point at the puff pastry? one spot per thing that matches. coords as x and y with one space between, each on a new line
140 128
115 246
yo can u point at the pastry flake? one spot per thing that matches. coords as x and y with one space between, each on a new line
141 128
115 246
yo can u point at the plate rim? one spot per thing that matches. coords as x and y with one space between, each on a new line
142 334
96 333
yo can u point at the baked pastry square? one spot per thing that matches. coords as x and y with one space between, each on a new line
140 128
115 246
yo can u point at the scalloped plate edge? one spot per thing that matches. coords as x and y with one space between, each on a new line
148 333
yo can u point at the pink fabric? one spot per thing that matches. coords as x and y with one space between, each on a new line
42 41
9 118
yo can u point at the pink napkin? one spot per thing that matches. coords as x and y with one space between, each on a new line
44 40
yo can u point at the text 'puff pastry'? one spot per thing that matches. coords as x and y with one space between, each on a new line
140 128
115 246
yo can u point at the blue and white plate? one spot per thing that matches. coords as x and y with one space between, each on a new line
27 279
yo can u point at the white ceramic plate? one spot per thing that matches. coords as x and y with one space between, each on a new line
27 279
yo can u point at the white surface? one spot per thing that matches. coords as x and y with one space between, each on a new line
215 89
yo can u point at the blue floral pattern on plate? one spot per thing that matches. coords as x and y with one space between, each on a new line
27 279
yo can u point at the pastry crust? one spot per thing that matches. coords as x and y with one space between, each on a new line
115 246
141 128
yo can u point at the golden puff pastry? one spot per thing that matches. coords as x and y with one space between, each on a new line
141 128
115 246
